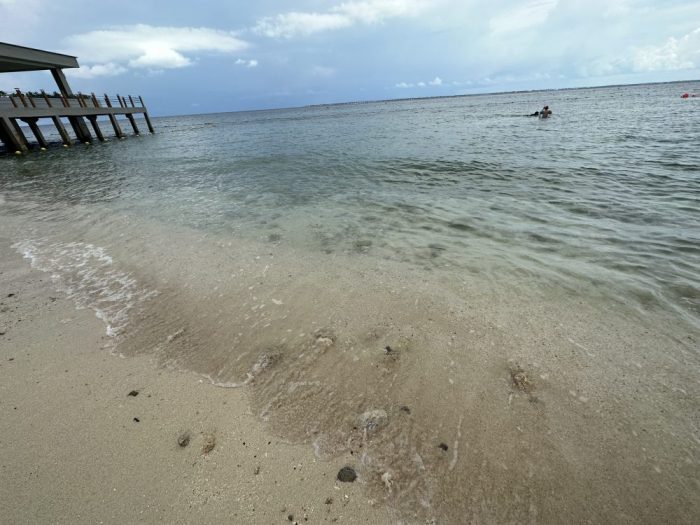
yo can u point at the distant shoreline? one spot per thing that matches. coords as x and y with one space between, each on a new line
405 99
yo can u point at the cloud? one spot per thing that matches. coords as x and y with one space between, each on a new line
367 12
113 51
246 63
675 53
18 18
437 81
533 13
100 70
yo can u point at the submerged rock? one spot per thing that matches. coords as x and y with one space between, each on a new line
347 475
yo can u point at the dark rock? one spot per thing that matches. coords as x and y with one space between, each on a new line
290 517
329 501
183 439
137 420
404 408
134 393
347 475
443 446
388 349
10 295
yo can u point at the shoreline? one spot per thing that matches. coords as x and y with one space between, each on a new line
73 452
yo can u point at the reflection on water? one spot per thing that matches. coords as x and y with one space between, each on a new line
479 309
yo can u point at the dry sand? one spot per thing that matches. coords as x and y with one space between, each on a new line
72 450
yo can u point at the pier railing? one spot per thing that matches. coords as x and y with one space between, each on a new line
41 99
29 107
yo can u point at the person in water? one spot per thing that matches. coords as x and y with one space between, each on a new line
546 112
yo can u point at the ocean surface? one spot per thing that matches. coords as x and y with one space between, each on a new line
388 277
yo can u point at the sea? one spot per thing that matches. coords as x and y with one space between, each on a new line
491 317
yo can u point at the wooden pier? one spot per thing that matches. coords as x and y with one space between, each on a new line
64 104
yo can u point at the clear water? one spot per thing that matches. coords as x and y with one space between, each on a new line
474 241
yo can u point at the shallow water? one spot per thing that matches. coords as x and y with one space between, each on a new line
525 292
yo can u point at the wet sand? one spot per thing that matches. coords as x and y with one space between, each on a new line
71 450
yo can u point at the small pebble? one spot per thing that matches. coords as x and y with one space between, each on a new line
347 475
184 439
443 446
134 393
137 420
209 443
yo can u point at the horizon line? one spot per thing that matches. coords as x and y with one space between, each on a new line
403 99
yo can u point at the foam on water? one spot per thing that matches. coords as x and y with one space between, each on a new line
86 274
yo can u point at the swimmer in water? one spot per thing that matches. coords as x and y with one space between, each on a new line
546 112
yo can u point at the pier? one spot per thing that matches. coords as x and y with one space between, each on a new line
59 106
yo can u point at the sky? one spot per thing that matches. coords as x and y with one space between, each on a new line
200 56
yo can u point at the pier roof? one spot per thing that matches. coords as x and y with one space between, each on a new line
18 58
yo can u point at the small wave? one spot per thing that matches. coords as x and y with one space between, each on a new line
87 274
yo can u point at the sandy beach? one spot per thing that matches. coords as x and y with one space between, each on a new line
77 448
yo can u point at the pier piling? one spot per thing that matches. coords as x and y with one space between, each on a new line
133 123
96 127
36 131
9 136
65 137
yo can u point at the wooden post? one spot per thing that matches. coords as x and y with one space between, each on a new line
96 127
115 124
46 98
107 101
37 131
12 99
95 102
31 100
65 137
9 136
131 118
132 102
145 116
21 97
